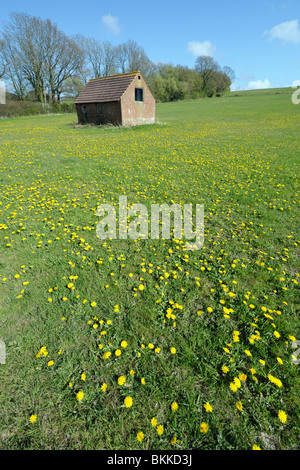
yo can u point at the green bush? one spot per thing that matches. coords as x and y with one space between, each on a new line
14 108
68 107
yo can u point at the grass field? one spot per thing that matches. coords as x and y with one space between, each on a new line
124 344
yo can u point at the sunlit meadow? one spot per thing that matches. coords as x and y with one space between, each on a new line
123 344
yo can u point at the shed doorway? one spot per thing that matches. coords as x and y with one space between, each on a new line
84 113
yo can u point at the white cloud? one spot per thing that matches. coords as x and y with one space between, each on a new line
259 84
287 32
198 48
112 23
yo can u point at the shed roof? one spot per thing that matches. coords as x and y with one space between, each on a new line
105 89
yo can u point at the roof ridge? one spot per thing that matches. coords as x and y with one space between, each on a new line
113 76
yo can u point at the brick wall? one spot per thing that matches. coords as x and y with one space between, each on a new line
135 112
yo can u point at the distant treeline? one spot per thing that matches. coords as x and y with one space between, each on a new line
15 108
41 63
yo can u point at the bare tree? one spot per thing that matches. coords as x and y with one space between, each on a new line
122 58
39 53
24 35
94 55
2 61
229 72
100 58
132 58
109 59
11 67
63 58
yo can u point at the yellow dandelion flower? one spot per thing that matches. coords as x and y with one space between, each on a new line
154 422
79 395
208 407
237 382
103 387
255 447
121 380
174 406
226 350
33 418
124 344
242 377
128 402
160 430
282 416
275 380
239 405
106 355
173 350
140 436
203 427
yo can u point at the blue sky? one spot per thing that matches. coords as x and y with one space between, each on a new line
259 39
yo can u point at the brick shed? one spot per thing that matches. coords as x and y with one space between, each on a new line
118 99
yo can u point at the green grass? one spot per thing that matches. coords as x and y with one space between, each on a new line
264 91
240 158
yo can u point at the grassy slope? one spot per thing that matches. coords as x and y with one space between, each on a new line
240 158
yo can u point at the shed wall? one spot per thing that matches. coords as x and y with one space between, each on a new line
135 112
100 113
